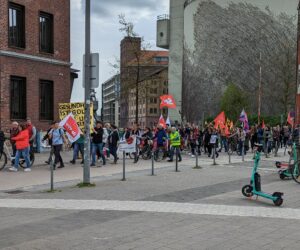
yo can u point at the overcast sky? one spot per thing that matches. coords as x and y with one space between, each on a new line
105 38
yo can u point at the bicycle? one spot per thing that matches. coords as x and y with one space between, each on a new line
159 153
294 167
6 155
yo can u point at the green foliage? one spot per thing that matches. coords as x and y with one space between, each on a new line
83 185
269 120
233 101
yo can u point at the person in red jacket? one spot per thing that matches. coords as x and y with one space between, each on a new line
22 146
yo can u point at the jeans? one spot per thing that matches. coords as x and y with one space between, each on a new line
25 153
95 147
193 147
242 147
57 149
224 144
172 151
113 152
78 147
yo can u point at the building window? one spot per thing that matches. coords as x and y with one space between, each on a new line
16 26
46 100
17 97
161 59
46 32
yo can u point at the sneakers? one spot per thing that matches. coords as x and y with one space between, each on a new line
72 162
13 169
190 153
170 160
93 165
47 162
61 166
27 170
193 156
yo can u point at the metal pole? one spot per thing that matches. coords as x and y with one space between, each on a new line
243 151
87 96
176 161
229 154
51 175
214 154
259 88
152 163
124 156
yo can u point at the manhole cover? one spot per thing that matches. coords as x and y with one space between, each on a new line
15 192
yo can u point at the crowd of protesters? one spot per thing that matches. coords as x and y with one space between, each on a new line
208 140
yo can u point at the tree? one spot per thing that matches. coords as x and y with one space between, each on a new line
135 73
233 101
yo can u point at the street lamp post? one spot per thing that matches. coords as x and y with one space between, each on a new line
87 93
259 89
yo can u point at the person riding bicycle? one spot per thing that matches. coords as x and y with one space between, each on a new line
161 137
147 136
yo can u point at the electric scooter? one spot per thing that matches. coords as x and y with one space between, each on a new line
284 170
255 183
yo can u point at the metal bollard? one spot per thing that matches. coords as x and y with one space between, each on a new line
51 175
229 156
214 154
124 156
176 161
243 151
197 162
152 163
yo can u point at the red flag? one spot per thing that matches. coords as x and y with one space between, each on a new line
167 101
162 121
220 120
290 119
263 124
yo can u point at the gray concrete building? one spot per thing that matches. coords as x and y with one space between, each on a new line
214 42
111 100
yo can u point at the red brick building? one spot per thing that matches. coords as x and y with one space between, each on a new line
147 69
35 72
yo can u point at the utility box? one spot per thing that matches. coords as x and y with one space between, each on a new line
163 32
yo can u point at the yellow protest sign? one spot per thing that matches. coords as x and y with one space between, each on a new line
77 108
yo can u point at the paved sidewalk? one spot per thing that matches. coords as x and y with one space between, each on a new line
190 209
40 174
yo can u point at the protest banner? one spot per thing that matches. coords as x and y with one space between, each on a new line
128 145
77 109
71 127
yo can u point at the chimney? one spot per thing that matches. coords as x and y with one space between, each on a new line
129 46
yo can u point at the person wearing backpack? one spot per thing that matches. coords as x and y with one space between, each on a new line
58 139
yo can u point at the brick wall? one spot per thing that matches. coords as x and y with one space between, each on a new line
60 9
33 70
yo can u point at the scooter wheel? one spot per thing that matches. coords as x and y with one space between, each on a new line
247 190
278 202
281 175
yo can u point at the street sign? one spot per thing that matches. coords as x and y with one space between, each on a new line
94 71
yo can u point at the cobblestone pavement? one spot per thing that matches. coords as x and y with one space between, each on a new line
190 209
